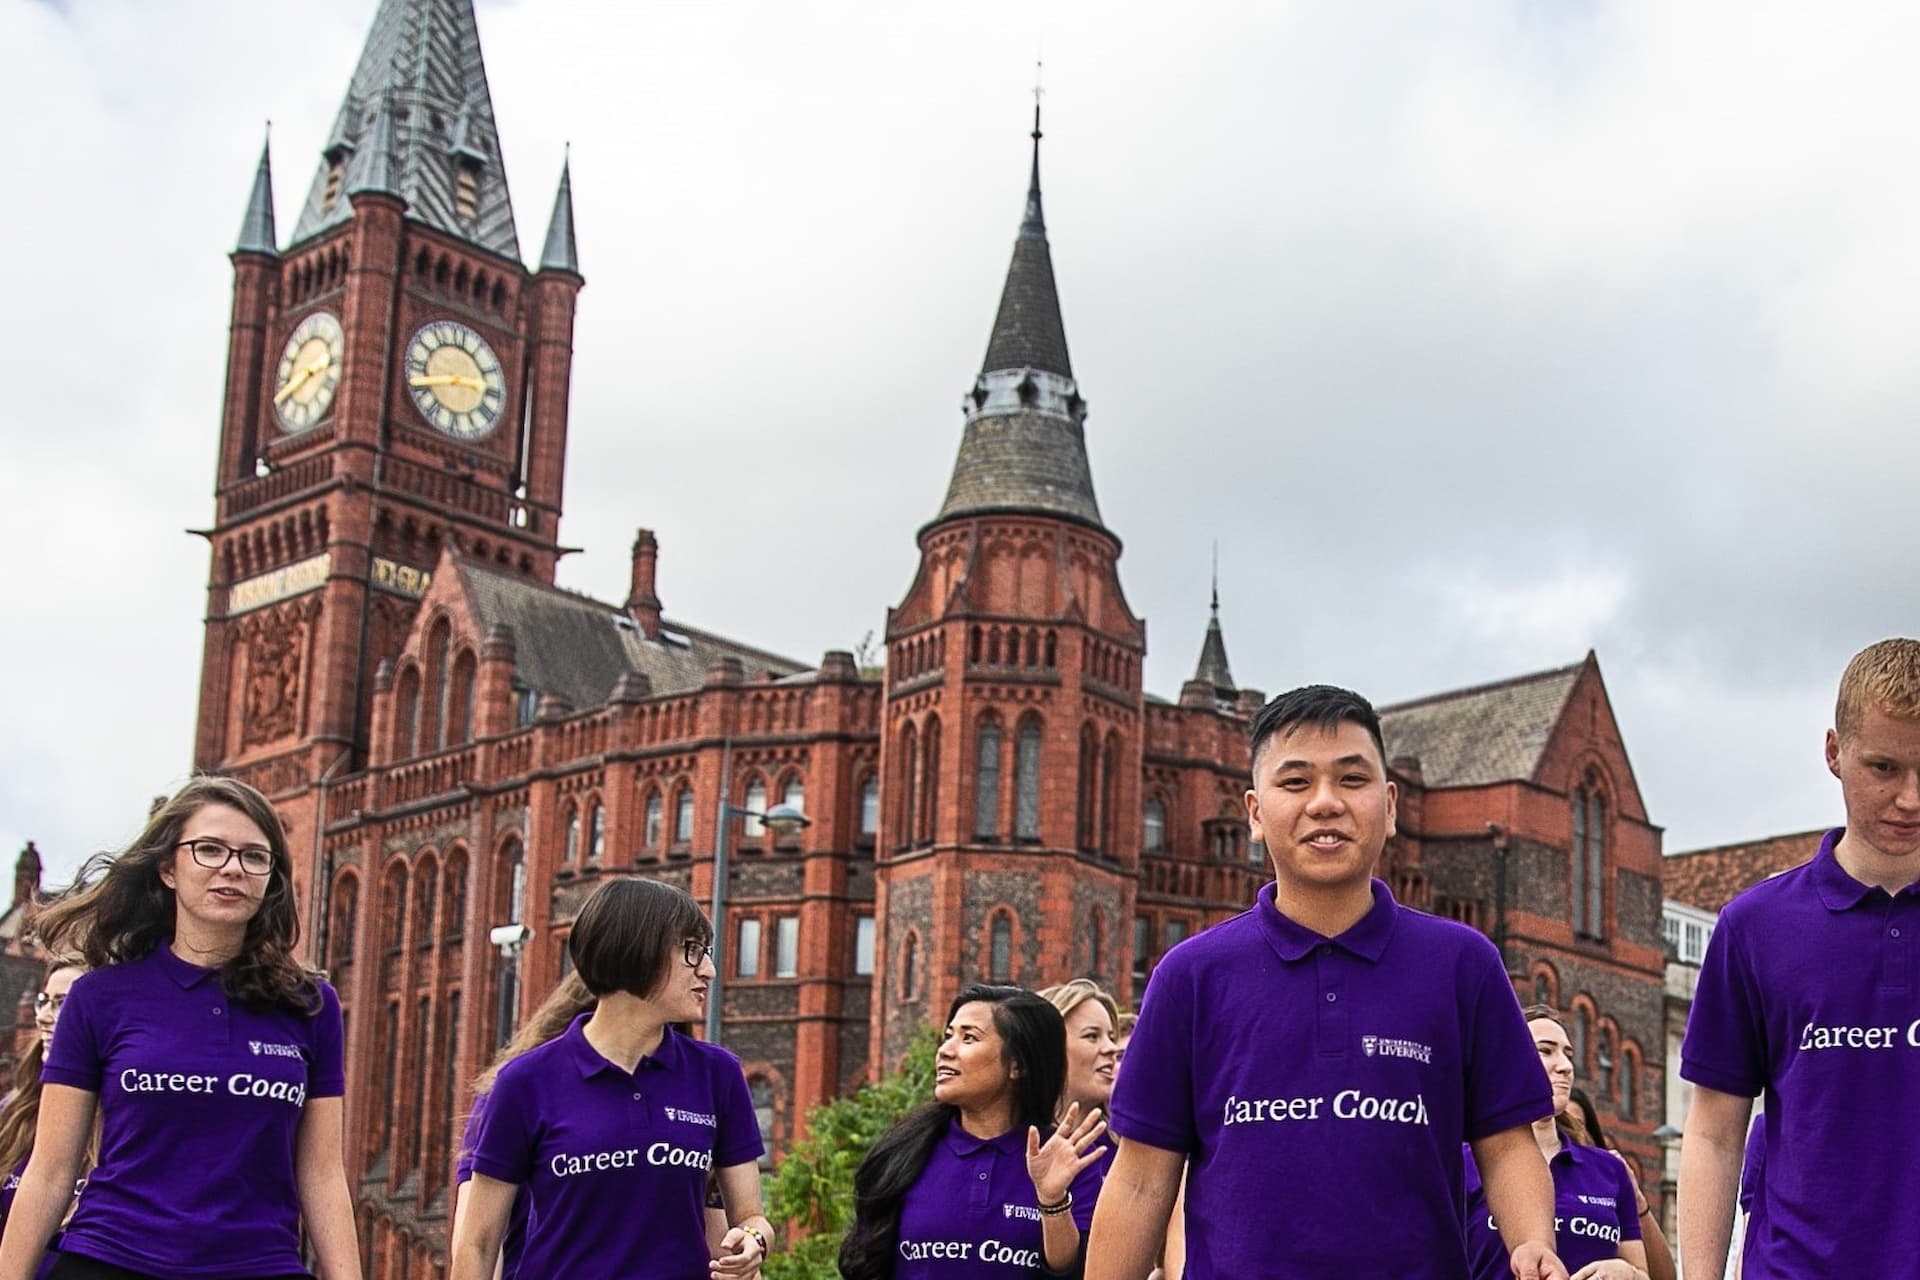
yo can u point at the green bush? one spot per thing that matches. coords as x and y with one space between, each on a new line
812 1190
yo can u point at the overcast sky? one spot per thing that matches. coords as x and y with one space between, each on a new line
1478 334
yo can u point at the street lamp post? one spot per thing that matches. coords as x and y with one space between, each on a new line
782 819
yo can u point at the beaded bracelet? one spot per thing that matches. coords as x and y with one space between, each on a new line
1055 1210
758 1239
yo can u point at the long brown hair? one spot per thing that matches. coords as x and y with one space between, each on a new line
563 1004
20 1117
119 909
1568 1121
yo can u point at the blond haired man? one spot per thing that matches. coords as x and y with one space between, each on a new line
1809 993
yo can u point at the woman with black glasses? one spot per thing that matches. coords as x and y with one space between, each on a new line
210 1055
613 1127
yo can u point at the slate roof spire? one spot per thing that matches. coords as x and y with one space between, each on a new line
422 65
1213 668
256 228
1024 448
372 167
561 252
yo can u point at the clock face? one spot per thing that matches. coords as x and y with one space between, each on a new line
455 379
309 372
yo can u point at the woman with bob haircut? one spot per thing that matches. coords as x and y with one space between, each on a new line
210 1055
20 1112
612 1127
1604 1228
964 1186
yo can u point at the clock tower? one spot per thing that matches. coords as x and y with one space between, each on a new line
397 384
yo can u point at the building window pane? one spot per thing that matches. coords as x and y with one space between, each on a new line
573 835
795 793
597 833
1000 961
762 1094
986 787
1026 782
1579 859
683 817
1153 827
863 946
746 956
910 967
751 828
656 820
1172 934
786 947
1142 940
870 806
1596 864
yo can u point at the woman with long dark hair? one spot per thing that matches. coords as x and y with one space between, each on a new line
612 1127
1602 1220
967 1185
20 1114
210 1055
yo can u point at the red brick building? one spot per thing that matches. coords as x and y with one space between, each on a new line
458 744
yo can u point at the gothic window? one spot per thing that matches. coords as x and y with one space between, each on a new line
1579 860
763 1113
1000 948
863 946
438 642
572 853
986 784
422 1046
391 1035
930 806
1603 1063
1109 791
1142 948
393 907
526 704
653 828
683 816
597 833
1596 860
786 947
870 805
460 699
442 1113
910 966
406 713
794 793
746 956
1085 818
426 891
1172 934
453 914
1153 826
1096 940
751 827
1582 1024
909 773
1629 1085
346 914
1026 780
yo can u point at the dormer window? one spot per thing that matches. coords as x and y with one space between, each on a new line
335 171
466 192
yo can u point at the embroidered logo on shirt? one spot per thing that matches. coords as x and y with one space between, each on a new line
1385 1047
691 1117
1020 1211
260 1047
1607 1201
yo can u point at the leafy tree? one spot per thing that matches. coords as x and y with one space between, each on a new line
813 1187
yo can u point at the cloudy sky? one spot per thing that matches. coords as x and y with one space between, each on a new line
1477 334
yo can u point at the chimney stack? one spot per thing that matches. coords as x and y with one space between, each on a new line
642 603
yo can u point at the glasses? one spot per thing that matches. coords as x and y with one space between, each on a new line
43 1002
215 854
695 952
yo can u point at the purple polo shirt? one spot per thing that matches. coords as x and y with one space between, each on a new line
514 1243
973 1214
1594 1209
1340 1073
1808 994
616 1164
200 1106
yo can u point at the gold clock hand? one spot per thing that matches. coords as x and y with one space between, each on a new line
300 376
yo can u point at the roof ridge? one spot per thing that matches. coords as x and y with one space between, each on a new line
1492 686
1733 845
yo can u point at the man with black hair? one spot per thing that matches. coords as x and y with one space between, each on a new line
1331 1042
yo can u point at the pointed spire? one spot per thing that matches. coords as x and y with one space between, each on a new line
1028 332
561 253
1213 668
422 68
372 168
1034 225
256 228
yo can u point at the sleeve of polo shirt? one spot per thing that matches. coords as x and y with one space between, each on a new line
327 1076
1505 1086
1153 1101
1628 1198
736 1140
463 1167
75 1057
505 1137
1725 1044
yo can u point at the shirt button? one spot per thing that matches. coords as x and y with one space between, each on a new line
216 1011
1896 933
636 1097
983 1175
1331 997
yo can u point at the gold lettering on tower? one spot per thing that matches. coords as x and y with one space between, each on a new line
401 579
279 584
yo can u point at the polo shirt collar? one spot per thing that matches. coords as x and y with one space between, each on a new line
1838 891
1573 1151
1367 939
962 1143
666 1057
186 976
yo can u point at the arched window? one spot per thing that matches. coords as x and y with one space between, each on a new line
1630 1085
1582 1024
870 805
1579 860
751 827
930 805
345 917
1096 941
426 893
1000 949
406 713
1026 780
453 896
794 793
910 966
393 907
910 778
573 834
1596 861
683 816
460 699
761 1092
597 832
986 781
654 826
1603 1063
1109 791
1153 826
1086 819
438 642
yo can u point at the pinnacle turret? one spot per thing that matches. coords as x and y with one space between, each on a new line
561 252
256 228
422 70
1213 668
372 168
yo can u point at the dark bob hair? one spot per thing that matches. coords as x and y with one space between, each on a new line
1033 1045
119 909
629 934
1323 706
